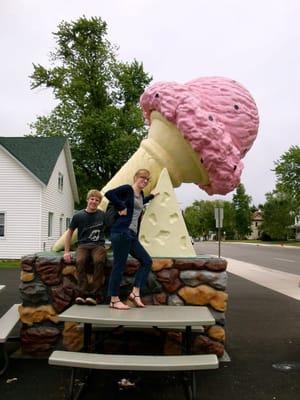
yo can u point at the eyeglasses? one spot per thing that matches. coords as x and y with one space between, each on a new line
145 178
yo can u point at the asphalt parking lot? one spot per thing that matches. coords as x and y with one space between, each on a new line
263 333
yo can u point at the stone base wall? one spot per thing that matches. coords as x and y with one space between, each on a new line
49 286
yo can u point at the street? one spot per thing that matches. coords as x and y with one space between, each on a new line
262 328
273 267
286 259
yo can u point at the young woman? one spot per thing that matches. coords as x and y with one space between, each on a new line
129 201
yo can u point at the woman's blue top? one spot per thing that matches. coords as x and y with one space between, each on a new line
123 197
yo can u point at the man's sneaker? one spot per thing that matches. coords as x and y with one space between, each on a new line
80 301
90 301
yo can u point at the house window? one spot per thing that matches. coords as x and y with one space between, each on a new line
60 182
50 224
68 221
2 224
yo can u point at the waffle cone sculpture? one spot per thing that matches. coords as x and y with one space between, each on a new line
165 147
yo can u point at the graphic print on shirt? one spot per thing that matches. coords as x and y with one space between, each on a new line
93 232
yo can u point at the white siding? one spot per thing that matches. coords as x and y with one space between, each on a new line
20 199
61 204
297 227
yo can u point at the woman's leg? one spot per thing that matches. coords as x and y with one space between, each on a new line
138 252
121 243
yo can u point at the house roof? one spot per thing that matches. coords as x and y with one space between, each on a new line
257 216
39 155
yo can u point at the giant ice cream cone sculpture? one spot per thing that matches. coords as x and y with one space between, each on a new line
199 131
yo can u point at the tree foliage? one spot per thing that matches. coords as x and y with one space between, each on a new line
229 225
277 216
287 170
200 220
241 202
97 101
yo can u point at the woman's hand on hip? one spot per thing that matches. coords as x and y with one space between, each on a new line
123 212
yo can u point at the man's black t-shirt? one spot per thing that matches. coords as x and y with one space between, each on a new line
90 227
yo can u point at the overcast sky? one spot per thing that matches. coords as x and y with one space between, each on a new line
255 42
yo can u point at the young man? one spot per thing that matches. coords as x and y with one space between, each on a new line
90 224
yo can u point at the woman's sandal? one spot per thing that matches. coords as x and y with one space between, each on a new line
113 305
132 297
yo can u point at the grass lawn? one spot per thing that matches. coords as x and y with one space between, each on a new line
9 264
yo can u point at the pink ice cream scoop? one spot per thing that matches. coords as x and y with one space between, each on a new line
217 116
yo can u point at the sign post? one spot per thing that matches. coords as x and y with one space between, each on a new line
219 214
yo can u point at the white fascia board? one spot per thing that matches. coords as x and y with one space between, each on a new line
71 171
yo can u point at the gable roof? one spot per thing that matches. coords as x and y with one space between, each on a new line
39 155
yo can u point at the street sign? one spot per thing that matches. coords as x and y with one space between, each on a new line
219 215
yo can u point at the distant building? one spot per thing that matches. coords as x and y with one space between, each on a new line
256 222
296 228
37 193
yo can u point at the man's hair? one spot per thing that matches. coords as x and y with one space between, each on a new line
94 193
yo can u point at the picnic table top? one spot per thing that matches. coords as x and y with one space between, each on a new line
158 315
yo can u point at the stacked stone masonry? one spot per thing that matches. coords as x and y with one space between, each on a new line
49 286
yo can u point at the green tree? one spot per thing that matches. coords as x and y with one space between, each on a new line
192 221
97 101
287 171
277 216
200 219
229 220
253 208
241 202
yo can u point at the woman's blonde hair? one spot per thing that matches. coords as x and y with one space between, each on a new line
141 171
94 193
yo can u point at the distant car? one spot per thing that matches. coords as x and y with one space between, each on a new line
192 240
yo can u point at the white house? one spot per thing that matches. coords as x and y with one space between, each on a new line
296 227
256 223
37 193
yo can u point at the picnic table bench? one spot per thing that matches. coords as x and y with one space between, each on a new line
151 316
7 323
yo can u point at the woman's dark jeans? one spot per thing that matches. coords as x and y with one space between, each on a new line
123 244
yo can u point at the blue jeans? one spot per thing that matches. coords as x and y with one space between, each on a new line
123 244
